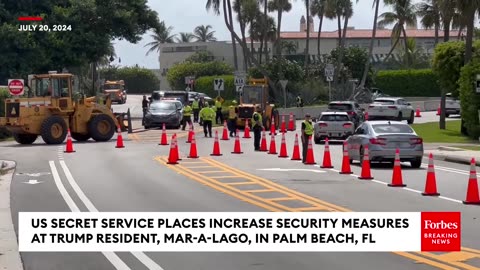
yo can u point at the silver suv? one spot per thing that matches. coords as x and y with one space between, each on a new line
334 125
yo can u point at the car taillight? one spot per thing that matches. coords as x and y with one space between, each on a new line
371 106
416 141
323 124
347 125
351 113
392 107
377 141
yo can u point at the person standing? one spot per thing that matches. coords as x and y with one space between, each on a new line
145 104
307 132
187 116
232 118
219 115
257 126
299 101
207 114
196 109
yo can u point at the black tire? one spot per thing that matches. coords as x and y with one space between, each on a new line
80 137
25 138
400 117
54 130
317 140
101 127
411 119
416 163
447 115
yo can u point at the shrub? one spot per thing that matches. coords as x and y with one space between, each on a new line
177 73
469 99
137 80
205 85
408 83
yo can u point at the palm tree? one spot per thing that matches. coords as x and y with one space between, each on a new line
403 15
161 34
430 15
449 17
468 9
238 7
203 34
376 4
279 6
307 46
318 9
185 38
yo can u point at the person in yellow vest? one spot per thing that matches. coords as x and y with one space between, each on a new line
196 109
257 127
207 115
218 106
307 132
187 116
232 118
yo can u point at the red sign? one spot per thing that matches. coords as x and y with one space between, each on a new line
15 86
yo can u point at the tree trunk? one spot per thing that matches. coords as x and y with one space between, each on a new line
341 52
244 39
370 49
405 43
320 24
260 50
469 37
391 49
265 30
339 25
234 44
437 29
307 46
446 31
278 42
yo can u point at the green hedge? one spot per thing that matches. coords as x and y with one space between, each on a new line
137 80
469 99
3 94
177 73
205 85
408 83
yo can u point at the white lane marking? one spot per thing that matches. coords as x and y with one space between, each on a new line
112 257
378 182
288 170
147 261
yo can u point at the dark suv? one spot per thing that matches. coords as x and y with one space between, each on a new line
352 108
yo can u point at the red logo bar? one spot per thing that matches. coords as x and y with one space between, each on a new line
30 18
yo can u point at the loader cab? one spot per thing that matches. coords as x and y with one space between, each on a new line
54 89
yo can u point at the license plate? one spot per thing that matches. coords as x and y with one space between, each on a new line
380 110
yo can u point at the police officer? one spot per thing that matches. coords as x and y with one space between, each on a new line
299 101
257 126
307 132
207 115
145 104
187 116
219 115
232 118
196 109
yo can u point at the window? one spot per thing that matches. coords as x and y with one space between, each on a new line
361 130
340 106
163 106
333 118
392 128
384 101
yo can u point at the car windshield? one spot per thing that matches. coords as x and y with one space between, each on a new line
392 128
384 101
163 106
333 117
340 106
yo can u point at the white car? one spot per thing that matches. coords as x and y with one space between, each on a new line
391 108
452 105
334 125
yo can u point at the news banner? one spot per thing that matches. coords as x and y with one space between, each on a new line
239 231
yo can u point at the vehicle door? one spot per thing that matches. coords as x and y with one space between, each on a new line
355 141
406 110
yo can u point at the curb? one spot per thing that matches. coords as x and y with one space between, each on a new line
454 159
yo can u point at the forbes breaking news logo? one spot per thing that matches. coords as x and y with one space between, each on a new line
441 231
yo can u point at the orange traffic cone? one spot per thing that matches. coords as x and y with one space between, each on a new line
346 160
193 148
472 189
417 112
176 147
190 134
310 159
283 128
273 129
431 182
225 132
273 146
439 110
69 146
397 179
263 143
163 140
246 133
173 155
327 160
296 149
366 174
283 147
216 146
237 149
119 139
291 123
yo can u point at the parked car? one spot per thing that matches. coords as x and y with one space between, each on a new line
168 112
334 125
157 95
193 95
383 138
354 110
392 108
452 105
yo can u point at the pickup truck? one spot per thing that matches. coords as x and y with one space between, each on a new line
334 125
452 105
391 108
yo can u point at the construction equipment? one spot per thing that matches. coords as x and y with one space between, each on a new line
116 90
256 93
49 110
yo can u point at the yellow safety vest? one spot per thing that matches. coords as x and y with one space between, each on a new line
254 123
308 128
187 111
207 114
231 112
195 104
218 104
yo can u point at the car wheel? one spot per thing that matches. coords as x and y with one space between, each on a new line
317 140
400 116
416 163
412 118
447 115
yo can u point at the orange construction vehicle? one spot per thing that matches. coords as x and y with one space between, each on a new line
116 90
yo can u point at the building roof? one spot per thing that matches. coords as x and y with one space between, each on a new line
366 33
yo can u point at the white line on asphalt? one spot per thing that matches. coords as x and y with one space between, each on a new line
149 263
447 169
112 257
379 182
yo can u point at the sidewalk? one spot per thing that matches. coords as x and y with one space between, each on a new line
453 154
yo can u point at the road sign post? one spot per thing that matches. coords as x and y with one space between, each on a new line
329 73
16 87
218 85
283 83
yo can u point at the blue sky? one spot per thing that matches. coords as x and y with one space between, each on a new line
185 15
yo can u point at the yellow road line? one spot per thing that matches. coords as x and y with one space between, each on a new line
245 195
223 177
200 167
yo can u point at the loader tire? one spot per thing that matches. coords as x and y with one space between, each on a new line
80 137
25 138
101 127
54 130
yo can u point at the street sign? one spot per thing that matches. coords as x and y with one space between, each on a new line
239 88
329 78
15 86
477 85
218 84
239 80
329 70
283 83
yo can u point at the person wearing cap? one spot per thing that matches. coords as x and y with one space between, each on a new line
145 105
307 132
232 118
257 127
187 116
207 114
196 109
